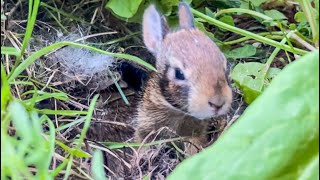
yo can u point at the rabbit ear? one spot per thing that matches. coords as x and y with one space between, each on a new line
154 28
185 16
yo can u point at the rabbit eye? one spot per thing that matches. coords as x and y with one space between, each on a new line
179 75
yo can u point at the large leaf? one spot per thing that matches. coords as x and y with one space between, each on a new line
124 8
166 6
241 52
300 17
276 138
275 14
257 3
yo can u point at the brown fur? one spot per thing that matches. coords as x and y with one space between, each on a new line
181 105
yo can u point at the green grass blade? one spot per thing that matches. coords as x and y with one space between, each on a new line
10 51
33 11
56 171
70 16
5 90
97 166
88 120
73 123
118 87
60 112
68 170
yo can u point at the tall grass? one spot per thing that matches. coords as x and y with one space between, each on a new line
28 135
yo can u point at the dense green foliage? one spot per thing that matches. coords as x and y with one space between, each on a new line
277 137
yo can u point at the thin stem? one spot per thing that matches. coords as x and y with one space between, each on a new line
248 34
308 11
247 38
274 53
247 11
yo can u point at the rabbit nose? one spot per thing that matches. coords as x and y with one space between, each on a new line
217 102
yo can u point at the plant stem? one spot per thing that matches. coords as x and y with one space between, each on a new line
247 11
247 38
248 34
308 11
274 53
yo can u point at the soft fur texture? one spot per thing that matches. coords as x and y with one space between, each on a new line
179 106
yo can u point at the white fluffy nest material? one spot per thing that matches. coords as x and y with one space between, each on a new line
88 67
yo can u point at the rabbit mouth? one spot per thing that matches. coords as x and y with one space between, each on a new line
208 113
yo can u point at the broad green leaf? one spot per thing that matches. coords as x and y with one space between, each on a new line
257 3
227 20
209 12
275 14
241 52
124 8
250 80
166 6
97 166
312 170
277 137
300 17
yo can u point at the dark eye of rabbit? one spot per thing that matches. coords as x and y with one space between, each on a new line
179 75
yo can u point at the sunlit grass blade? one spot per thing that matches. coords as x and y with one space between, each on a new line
44 95
10 51
32 15
5 90
60 112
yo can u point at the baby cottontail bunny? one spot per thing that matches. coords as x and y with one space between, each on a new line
190 85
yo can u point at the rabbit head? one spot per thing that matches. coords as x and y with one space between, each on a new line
192 68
